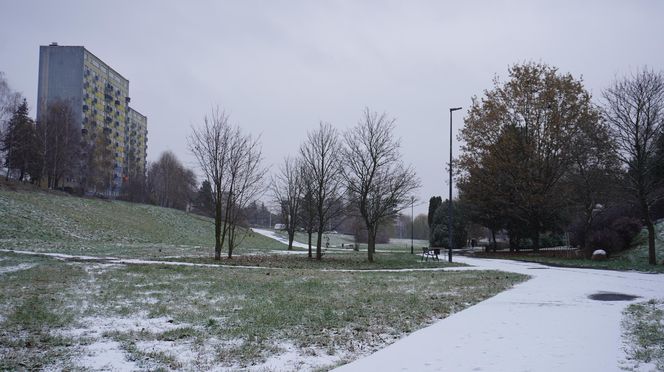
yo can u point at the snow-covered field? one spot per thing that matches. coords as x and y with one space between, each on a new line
545 324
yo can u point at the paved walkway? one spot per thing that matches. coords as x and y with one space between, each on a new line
547 323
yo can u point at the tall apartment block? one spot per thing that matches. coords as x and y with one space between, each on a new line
99 98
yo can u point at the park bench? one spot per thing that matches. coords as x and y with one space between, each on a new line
430 252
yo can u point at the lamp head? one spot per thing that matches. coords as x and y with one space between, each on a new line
455 109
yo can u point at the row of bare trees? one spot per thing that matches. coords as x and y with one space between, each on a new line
358 173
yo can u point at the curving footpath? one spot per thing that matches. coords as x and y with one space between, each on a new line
547 323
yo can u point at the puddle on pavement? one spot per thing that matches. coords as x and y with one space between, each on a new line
608 296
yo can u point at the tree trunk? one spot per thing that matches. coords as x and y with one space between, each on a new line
371 243
319 243
652 254
309 232
587 224
217 227
231 241
493 238
536 242
291 237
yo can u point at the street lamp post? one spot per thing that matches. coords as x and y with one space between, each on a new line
449 200
412 223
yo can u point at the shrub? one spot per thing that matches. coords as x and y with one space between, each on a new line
614 238
606 239
613 230
627 228
551 240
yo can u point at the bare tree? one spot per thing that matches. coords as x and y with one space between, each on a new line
244 182
286 189
98 168
378 183
170 184
231 162
9 103
634 109
61 143
321 156
209 145
308 215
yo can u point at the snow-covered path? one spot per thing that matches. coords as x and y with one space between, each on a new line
272 235
547 323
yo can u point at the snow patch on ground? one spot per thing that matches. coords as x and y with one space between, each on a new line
105 355
96 326
292 358
19 267
187 355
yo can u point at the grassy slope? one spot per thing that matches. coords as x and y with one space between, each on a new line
54 222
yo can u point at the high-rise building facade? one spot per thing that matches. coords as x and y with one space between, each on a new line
136 143
99 99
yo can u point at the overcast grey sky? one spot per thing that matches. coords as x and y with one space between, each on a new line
280 67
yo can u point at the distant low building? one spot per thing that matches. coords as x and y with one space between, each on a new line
99 98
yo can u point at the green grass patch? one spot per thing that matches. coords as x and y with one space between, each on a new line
643 328
34 302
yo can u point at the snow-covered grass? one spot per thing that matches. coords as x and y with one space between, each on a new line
66 314
53 222
643 329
